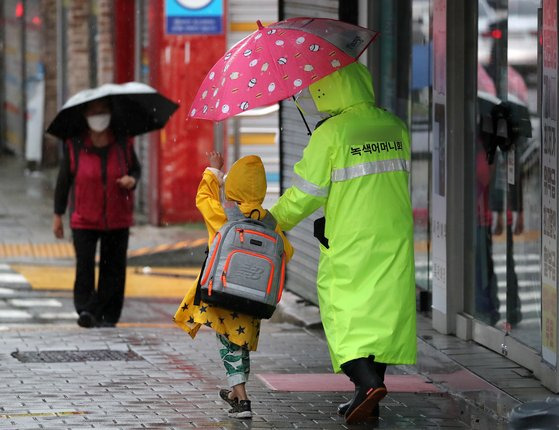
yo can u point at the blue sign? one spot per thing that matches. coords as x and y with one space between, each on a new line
194 16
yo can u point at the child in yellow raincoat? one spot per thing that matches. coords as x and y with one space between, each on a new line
237 333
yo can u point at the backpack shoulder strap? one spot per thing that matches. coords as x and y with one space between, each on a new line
232 211
269 221
198 294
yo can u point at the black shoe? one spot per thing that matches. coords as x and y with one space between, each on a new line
224 395
343 407
514 317
241 410
86 319
105 324
370 389
380 368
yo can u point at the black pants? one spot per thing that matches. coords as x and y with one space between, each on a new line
486 300
106 302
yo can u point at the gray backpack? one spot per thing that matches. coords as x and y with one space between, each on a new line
245 267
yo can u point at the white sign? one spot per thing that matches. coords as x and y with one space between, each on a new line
35 116
438 218
549 182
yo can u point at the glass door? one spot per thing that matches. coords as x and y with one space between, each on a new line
508 177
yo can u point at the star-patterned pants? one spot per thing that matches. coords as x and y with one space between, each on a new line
236 360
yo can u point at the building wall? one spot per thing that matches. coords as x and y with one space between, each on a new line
13 73
301 270
48 13
82 43
105 52
78 46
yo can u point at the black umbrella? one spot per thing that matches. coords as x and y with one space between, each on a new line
502 122
136 108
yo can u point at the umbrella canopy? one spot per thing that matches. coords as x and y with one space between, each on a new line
136 108
515 110
276 62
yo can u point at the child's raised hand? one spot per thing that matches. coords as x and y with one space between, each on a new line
215 159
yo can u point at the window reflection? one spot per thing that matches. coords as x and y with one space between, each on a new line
421 138
508 183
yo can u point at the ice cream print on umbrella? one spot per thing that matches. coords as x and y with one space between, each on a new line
276 62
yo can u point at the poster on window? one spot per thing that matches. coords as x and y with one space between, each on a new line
193 17
549 181
438 218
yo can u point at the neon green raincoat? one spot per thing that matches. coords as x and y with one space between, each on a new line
357 166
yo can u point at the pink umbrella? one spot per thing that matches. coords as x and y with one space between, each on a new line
276 62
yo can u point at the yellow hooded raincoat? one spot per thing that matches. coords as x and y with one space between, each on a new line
245 184
357 165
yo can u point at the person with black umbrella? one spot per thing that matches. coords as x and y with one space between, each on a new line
100 171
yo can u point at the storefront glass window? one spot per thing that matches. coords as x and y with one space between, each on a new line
508 184
421 137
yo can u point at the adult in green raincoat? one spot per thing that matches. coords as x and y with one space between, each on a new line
356 166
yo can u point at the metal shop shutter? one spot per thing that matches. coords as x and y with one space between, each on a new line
301 270
243 15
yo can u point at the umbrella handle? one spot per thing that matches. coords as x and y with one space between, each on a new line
303 116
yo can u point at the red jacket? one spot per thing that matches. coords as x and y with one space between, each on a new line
98 202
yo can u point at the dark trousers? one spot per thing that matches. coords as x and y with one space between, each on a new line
486 300
106 302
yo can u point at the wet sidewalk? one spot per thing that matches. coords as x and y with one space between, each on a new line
149 374
154 376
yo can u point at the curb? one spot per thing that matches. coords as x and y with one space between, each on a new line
297 311
180 256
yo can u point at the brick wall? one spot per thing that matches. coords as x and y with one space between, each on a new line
78 54
78 46
105 53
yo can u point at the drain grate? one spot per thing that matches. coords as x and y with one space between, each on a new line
75 356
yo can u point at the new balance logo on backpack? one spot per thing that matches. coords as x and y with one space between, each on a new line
245 268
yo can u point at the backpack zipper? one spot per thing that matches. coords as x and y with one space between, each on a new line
214 253
257 233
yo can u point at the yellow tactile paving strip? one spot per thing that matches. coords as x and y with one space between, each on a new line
60 250
37 250
167 247
163 282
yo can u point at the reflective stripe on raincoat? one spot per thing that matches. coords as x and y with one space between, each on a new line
245 184
357 166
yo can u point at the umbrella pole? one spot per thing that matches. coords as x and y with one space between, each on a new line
303 116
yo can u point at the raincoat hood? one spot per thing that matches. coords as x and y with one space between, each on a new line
246 184
342 89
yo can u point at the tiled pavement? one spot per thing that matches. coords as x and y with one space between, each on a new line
174 385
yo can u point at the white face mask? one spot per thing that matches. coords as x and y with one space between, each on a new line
99 122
